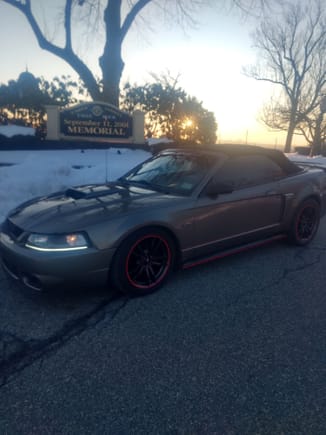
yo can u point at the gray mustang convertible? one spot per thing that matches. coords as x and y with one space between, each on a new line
180 208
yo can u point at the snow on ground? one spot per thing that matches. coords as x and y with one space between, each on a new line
34 173
13 130
316 160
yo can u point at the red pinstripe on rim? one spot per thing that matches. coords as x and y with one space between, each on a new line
152 257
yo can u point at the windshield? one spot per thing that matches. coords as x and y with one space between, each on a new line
175 172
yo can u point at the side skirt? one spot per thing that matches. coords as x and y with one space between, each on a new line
236 250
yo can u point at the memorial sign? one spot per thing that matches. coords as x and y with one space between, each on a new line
95 120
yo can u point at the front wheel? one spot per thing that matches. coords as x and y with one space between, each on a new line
305 223
143 262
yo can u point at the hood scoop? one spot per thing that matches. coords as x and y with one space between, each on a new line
91 193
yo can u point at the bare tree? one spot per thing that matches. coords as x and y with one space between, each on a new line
118 17
313 128
292 50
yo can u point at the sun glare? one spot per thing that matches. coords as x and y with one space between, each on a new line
188 123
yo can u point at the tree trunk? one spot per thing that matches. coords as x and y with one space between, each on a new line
289 136
111 62
316 144
288 142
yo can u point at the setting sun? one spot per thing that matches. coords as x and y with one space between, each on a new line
188 123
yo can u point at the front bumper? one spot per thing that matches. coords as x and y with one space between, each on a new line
43 270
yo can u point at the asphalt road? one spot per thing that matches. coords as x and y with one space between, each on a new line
233 347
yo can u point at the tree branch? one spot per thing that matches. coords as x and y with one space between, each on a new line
68 24
65 53
130 18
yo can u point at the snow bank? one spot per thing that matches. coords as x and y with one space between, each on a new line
37 173
14 130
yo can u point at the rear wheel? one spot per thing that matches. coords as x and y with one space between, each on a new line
305 223
143 262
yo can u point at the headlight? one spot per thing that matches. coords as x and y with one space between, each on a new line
57 242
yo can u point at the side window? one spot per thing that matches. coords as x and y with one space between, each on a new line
248 170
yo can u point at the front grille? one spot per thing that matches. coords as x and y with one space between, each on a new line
14 231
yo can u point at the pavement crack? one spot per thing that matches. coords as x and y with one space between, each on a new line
305 264
16 354
299 268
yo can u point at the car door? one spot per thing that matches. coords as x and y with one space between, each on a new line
249 205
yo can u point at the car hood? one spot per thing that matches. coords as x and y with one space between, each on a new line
80 207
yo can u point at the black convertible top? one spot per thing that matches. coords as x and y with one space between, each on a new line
237 150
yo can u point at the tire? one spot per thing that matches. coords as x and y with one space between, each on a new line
143 262
305 223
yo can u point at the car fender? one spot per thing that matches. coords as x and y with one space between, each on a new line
310 190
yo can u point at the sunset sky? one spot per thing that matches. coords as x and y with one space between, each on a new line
208 58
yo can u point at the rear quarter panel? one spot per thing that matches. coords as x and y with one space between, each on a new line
310 183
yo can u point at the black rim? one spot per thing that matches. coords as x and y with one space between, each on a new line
306 223
148 262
